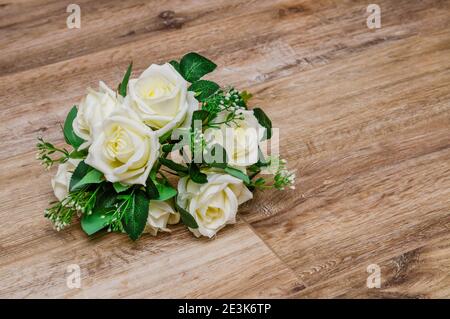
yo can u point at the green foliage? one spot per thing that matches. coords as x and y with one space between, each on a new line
135 214
176 65
80 171
151 189
264 121
61 213
102 213
216 156
245 96
124 212
167 148
238 174
165 191
279 177
229 101
199 115
196 175
181 169
165 137
262 162
203 89
123 85
124 208
84 175
69 135
193 66
47 151
186 218
78 154
48 154
119 187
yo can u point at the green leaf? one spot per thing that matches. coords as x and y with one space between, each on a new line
165 191
212 156
84 175
262 162
167 148
203 89
78 154
94 222
119 187
92 177
159 189
193 66
196 175
69 135
176 65
152 191
123 85
186 218
237 173
245 96
260 182
80 171
173 166
136 215
199 115
166 136
264 120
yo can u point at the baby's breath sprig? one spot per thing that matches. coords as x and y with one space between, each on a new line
230 100
80 201
197 139
118 213
49 154
60 215
282 177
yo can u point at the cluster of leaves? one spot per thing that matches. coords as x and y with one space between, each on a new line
49 154
124 208
114 206
214 100
280 178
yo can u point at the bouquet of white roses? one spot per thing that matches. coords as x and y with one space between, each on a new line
124 143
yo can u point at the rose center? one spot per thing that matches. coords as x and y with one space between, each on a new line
119 146
156 87
213 213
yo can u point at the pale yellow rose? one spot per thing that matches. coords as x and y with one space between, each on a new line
214 204
61 181
123 148
240 139
160 97
160 214
94 108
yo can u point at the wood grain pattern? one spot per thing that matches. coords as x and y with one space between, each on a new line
418 273
364 116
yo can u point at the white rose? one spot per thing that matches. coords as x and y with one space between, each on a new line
160 214
61 181
214 204
123 148
94 108
240 139
160 97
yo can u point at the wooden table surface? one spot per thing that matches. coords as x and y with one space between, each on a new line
364 117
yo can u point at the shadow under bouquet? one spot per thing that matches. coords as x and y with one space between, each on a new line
129 146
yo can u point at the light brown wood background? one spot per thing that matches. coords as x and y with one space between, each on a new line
364 117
